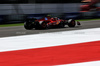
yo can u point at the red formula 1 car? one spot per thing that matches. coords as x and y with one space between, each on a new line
48 22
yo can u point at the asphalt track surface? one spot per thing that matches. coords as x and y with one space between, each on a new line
19 30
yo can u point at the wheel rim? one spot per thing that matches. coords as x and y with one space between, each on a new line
44 25
73 22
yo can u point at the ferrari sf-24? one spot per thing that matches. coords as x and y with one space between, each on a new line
48 22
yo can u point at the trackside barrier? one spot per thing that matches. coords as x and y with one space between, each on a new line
74 15
15 18
2 19
5 19
87 15
37 16
98 14
21 18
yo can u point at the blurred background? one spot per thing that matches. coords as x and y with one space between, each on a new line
15 11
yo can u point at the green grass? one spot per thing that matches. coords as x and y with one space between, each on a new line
87 19
21 24
9 25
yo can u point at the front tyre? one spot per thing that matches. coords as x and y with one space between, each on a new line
71 23
44 25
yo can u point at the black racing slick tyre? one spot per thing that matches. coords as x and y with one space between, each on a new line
39 25
71 23
28 25
44 25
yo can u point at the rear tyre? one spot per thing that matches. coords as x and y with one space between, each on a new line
28 25
71 23
44 25
37 25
